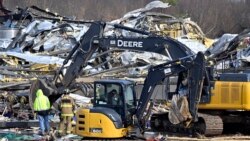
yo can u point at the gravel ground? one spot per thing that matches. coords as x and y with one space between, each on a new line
33 135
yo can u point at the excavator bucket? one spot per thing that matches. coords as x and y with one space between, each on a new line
184 108
179 111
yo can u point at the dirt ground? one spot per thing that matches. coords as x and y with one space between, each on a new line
227 137
32 135
236 137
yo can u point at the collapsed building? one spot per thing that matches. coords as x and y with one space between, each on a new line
37 46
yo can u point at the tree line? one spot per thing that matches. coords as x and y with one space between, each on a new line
215 17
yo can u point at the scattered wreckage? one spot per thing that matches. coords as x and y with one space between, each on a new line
36 46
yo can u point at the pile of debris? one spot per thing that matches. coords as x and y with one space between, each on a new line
35 42
40 40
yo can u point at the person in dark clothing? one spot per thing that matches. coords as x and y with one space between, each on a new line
114 98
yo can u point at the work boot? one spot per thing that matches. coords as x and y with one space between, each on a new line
41 133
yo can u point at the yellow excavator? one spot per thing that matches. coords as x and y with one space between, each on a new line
225 102
118 115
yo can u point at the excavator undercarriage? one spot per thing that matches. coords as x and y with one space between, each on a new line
206 125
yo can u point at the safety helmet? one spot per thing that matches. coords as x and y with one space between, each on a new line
66 91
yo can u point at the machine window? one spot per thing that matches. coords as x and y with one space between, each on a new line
101 94
108 94
114 94
129 96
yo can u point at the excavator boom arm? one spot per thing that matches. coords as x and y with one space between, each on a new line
93 39
196 73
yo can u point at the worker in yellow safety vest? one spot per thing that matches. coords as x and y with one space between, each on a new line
42 109
67 107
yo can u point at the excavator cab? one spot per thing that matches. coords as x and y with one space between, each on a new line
114 105
118 95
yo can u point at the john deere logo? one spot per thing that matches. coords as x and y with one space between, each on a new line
122 43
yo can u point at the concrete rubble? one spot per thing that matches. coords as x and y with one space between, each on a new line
37 49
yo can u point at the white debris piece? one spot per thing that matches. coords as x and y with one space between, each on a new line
79 31
151 5
2 118
138 70
69 137
194 45
30 27
221 44
4 43
79 100
45 25
147 57
50 43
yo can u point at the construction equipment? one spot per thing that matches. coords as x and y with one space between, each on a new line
105 120
225 106
117 117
